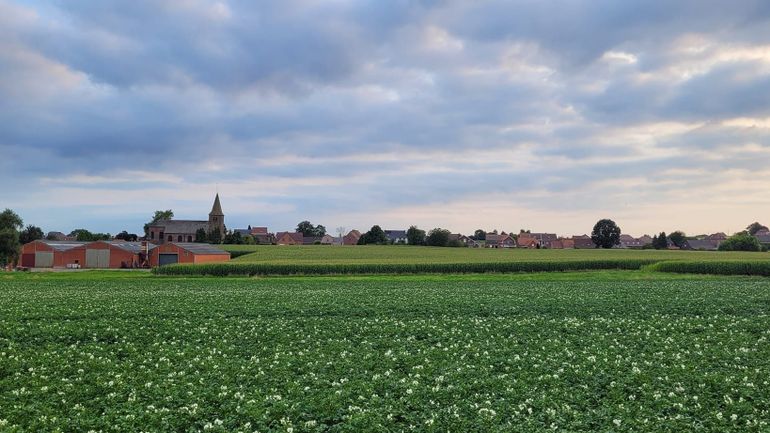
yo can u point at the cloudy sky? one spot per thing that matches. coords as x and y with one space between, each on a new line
545 115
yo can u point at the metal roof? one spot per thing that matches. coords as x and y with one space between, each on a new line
200 248
62 245
132 247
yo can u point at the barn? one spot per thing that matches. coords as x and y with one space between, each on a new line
180 252
50 254
90 255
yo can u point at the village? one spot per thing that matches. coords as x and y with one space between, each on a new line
170 241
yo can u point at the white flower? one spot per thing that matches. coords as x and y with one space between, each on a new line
617 422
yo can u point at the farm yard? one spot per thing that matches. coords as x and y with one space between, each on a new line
568 351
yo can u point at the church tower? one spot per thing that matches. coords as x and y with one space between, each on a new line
217 218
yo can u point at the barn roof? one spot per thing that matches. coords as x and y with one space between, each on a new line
133 247
200 248
62 245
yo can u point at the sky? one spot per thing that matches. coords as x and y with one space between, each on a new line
531 114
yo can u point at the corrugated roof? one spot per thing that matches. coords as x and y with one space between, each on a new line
133 247
200 248
62 245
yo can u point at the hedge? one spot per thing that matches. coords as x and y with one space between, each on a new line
715 267
234 254
252 269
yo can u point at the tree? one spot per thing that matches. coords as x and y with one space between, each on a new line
754 227
677 238
480 235
201 236
606 234
375 236
660 242
10 224
29 234
309 230
742 241
233 238
158 216
214 237
438 237
415 236
126 236
82 235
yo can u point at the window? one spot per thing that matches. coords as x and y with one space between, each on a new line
170 238
179 238
189 238
160 236
152 235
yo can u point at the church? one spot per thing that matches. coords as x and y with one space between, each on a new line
184 230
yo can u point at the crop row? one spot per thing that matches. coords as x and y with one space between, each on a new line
759 268
251 269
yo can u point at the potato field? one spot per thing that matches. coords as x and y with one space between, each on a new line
577 352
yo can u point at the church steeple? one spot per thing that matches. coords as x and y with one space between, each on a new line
217 218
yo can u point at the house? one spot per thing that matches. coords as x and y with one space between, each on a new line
628 241
701 245
396 236
544 239
567 243
182 252
763 236
164 231
351 238
526 241
289 238
557 245
645 240
583 242
328 239
717 237
457 238
58 236
494 240
311 240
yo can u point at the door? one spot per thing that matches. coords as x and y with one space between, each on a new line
43 259
97 259
28 260
168 259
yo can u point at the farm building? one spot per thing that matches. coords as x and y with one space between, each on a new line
90 255
170 253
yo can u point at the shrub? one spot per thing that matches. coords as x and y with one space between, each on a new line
252 269
740 242
744 267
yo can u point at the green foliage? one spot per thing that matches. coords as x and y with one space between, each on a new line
30 233
606 234
375 236
755 227
438 237
734 267
740 242
201 236
480 235
126 236
234 238
309 230
252 269
9 246
677 238
415 236
660 242
83 235
214 236
158 216
459 354
10 220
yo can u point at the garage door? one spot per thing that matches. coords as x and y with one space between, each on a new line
97 258
43 259
168 259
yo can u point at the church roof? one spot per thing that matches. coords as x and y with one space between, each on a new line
217 208
181 226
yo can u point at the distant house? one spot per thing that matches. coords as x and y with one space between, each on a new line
311 240
544 239
645 240
628 241
328 239
557 245
351 238
494 240
567 243
461 239
289 238
717 237
526 241
396 236
583 242
701 245
58 236
763 236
